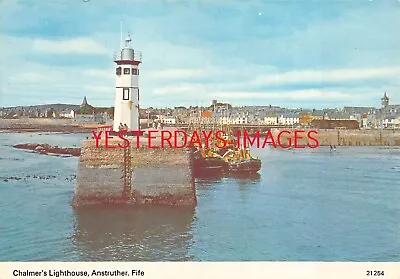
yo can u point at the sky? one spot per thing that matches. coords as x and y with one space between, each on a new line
290 53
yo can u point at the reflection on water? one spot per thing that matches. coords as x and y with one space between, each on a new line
239 178
140 233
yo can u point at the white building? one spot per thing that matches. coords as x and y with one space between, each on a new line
391 122
288 119
271 119
366 122
240 118
169 120
126 109
159 118
66 114
225 120
166 119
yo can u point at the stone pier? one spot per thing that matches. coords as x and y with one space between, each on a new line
161 176
346 137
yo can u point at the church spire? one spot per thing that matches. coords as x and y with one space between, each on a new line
84 102
385 101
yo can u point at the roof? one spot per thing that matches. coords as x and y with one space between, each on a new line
318 113
390 117
357 109
339 115
290 115
206 113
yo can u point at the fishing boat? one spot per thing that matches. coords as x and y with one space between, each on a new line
208 163
250 166
228 160
240 161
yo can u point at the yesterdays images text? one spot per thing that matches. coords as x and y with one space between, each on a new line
207 139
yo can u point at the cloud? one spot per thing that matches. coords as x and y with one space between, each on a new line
180 89
99 89
293 95
100 74
75 45
228 92
35 77
296 52
180 73
335 75
210 72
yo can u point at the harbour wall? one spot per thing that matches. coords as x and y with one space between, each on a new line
161 176
346 137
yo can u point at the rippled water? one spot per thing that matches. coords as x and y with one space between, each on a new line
304 206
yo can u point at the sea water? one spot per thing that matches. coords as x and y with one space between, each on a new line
305 205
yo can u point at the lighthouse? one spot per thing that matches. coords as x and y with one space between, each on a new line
126 109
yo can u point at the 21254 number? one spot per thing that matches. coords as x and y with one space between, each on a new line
375 273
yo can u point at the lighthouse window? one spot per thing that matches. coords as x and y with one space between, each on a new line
118 71
127 71
134 71
125 94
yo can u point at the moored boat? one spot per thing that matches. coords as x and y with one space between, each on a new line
208 163
229 159
240 161
249 166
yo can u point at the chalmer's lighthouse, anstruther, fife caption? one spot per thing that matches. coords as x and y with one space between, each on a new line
126 110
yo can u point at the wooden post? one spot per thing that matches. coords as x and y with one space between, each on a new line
338 137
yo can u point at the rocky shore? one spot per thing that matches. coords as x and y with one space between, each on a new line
46 149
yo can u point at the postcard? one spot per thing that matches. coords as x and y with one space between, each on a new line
200 139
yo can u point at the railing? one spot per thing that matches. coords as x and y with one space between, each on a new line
137 55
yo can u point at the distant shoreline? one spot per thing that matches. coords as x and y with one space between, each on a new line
66 130
325 137
48 129
34 125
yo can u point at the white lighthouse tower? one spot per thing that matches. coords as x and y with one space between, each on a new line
126 110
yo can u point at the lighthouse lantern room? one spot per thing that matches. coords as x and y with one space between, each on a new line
126 110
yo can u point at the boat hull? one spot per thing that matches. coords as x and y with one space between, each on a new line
209 166
246 166
206 167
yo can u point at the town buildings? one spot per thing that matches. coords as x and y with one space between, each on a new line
387 116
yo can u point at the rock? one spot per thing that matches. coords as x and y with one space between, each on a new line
11 178
44 149
28 146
